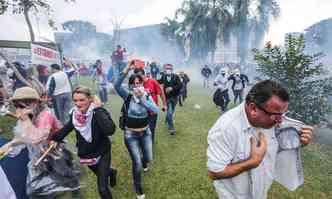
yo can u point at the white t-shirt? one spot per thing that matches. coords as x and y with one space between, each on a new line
222 82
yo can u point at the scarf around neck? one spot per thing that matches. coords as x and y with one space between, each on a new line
82 122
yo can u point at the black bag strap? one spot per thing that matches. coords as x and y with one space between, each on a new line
125 105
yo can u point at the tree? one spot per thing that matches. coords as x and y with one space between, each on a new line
117 23
25 7
213 19
303 75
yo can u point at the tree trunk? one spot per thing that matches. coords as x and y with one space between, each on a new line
27 19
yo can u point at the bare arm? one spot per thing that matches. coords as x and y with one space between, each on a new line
232 170
163 97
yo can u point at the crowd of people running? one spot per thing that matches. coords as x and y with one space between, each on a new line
63 106
225 78
48 110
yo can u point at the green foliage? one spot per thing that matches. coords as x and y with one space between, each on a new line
303 75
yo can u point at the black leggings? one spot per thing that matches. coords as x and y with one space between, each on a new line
102 171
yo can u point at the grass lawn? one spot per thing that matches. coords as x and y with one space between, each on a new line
179 166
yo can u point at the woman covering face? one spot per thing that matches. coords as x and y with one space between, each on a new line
135 122
35 124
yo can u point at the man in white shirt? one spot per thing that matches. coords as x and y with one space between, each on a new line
59 89
243 143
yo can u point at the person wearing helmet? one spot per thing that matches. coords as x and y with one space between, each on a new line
239 82
35 124
172 85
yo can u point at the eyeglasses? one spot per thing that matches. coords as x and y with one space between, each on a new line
270 113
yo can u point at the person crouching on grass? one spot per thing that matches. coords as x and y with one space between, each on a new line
137 134
92 126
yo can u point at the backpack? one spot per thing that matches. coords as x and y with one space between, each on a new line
218 98
124 112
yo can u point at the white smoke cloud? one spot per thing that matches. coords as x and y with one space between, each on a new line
99 12
297 15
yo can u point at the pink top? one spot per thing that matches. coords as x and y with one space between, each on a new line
46 120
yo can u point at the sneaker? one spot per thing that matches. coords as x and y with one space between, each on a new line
172 131
145 169
140 196
113 176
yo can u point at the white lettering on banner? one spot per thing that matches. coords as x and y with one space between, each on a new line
43 55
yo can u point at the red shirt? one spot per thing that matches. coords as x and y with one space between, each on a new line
153 87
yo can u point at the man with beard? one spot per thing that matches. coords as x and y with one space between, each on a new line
172 85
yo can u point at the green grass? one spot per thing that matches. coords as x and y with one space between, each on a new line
179 166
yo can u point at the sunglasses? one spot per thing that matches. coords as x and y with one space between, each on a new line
23 103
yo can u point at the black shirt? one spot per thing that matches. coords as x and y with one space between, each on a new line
102 127
173 81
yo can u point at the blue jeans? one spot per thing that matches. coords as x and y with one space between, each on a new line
171 104
138 143
102 91
152 125
119 68
62 106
